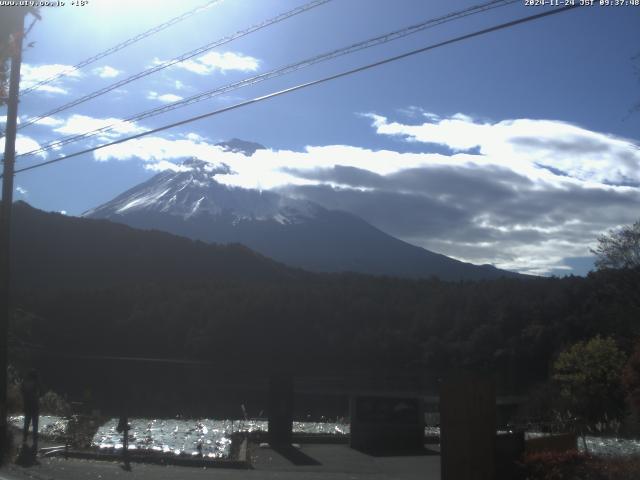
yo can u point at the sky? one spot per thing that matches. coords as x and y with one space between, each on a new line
518 148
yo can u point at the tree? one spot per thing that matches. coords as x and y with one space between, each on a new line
589 376
619 248
631 378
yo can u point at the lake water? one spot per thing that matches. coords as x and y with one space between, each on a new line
48 425
180 436
210 437
213 437
607 446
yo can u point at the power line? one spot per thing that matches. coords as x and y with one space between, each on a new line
387 37
176 60
282 71
122 45
369 66
175 361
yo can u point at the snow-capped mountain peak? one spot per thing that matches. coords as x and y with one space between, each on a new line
193 191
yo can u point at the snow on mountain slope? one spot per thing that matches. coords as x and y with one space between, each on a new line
194 192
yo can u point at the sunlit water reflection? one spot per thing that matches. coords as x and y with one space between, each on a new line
191 437
606 446
48 425
212 438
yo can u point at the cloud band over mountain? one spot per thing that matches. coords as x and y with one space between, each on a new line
522 194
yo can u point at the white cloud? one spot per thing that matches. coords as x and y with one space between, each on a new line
194 137
222 62
26 144
52 89
106 72
178 85
158 149
21 190
533 192
166 97
412 111
164 165
76 124
32 74
529 145
47 121
63 212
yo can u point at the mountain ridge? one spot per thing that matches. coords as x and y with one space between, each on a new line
299 233
52 249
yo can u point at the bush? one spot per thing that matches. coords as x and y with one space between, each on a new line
14 398
10 448
588 375
555 466
542 410
54 404
14 393
576 465
631 378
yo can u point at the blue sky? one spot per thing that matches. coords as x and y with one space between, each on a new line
517 148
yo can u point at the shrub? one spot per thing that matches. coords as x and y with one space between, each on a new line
54 404
588 375
14 398
554 466
631 378
576 465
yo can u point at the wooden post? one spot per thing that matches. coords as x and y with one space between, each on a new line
280 409
467 428
5 216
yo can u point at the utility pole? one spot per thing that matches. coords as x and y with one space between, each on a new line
17 32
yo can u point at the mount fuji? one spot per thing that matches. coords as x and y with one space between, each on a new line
299 233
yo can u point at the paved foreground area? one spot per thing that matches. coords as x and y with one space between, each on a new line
333 462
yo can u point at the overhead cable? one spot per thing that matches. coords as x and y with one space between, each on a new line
372 42
120 46
166 64
368 66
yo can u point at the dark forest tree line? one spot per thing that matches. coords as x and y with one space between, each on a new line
247 314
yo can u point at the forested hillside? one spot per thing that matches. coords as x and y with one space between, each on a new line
115 291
